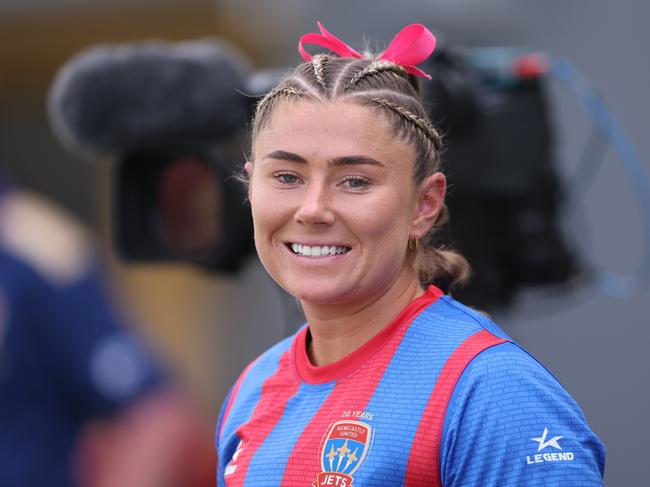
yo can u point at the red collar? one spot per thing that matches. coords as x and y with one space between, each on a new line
349 364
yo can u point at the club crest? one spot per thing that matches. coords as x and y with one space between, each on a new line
342 452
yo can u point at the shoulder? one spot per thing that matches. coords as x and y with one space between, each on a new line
505 372
498 369
445 325
509 414
245 394
470 318
508 420
44 237
268 364
269 361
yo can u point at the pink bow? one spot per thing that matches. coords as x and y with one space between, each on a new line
411 46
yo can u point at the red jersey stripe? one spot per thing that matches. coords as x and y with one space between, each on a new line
424 468
352 394
266 416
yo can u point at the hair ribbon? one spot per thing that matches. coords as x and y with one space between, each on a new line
411 46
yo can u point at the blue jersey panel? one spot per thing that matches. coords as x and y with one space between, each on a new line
404 390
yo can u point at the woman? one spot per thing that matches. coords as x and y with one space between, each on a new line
389 383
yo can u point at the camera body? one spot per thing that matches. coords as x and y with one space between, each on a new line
505 193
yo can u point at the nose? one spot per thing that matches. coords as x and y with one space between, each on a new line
314 206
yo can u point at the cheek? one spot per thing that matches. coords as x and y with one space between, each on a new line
388 218
264 225
269 213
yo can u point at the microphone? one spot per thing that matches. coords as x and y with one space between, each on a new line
109 100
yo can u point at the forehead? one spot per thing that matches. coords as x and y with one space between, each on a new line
316 129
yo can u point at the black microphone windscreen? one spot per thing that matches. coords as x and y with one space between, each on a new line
114 99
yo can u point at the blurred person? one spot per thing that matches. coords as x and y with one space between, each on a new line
391 381
83 402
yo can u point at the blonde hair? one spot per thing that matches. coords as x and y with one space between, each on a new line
388 88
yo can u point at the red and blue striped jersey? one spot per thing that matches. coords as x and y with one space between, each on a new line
441 396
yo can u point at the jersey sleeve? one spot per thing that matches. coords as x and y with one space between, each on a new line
509 422
222 413
98 359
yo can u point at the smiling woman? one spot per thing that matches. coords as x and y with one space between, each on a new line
390 382
332 176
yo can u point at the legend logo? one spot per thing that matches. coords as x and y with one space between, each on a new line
554 456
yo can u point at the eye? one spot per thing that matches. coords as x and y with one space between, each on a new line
356 182
286 178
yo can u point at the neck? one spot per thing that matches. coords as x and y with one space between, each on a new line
338 330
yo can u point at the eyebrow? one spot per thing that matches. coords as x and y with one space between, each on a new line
337 161
285 156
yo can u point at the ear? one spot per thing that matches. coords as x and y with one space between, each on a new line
431 198
248 167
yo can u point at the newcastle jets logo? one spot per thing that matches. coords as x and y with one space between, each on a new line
551 456
343 450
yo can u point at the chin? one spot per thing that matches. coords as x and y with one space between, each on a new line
320 292
317 296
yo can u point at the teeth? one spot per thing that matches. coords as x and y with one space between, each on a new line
318 250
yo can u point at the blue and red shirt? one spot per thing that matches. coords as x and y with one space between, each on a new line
440 397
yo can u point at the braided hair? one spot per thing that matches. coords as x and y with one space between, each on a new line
386 87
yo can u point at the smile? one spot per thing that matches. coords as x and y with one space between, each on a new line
317 250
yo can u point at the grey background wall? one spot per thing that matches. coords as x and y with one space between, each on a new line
596 345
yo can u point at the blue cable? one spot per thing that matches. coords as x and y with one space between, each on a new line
614 285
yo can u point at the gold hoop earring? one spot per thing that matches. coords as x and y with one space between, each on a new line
414 244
